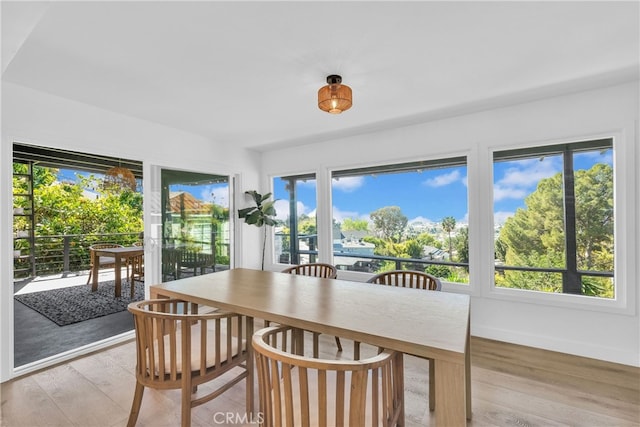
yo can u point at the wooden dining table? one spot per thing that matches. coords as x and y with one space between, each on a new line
119 254
428 324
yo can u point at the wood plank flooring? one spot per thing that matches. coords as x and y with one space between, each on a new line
511 386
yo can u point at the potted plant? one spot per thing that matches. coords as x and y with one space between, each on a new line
261 214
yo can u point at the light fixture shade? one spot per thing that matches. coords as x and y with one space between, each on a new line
335 97
119 178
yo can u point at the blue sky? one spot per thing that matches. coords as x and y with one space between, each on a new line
431 195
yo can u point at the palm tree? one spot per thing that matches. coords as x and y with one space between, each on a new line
448 225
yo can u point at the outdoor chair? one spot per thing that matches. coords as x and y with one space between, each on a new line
295 390
316 270
137 271
415 280
105 262
176 348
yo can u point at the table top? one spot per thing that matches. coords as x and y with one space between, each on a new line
127 250
424 323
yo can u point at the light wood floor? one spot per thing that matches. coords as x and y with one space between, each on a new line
511 386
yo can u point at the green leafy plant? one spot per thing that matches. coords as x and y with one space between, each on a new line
261 214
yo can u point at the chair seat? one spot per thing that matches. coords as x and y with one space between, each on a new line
196 349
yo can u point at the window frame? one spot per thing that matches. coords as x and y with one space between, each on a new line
624 247
314 256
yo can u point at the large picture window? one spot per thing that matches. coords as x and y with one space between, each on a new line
410 216
554 218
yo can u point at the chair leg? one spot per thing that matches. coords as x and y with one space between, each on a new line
135 406
339 344
432 385
356 350
90 273
186 408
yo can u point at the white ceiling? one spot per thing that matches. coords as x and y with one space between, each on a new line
247 73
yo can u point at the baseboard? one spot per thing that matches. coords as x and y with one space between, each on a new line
576 348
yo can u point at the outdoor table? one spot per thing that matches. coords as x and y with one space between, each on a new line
118 254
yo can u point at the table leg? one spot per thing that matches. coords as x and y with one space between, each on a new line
118 276
94 272
451 407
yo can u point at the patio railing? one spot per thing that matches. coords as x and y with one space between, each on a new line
66 253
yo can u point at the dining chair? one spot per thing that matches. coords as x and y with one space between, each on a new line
316 269
415 280
295 390
105 261
177 348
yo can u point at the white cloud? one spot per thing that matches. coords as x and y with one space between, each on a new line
502 193
347 184
521 179
442 180
499 218
339 215
528 173
282 209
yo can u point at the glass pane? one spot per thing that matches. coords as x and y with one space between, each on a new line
394 218
295 236
546 240
529 212
196 228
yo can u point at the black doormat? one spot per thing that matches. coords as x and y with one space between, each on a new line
75 304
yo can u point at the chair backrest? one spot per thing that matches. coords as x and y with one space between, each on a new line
137 267
313 269
216 342
407 279
297 390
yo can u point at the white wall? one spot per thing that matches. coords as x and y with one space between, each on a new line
608 330
34 117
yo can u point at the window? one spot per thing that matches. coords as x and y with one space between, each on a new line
404 216
295 236
554 218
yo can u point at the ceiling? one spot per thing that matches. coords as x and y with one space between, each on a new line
247 73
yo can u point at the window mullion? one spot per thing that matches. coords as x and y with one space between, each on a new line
571 281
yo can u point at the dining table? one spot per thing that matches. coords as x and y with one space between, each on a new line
119 254
427 324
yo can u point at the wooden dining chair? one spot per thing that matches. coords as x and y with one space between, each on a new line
316 269
177 348
295 390
415 280
105 261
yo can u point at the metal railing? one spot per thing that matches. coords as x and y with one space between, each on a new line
64 253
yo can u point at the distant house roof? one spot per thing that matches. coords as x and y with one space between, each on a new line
182 200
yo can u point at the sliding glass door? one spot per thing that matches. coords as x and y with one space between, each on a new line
195 229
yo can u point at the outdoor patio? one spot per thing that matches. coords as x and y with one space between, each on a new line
37 337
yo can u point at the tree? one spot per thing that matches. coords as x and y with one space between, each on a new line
389 222
448 225
349 224
461 242
534 236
